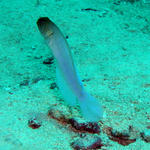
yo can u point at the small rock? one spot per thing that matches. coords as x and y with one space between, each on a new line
48 60
34 123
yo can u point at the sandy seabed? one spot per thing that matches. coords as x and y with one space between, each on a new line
110 44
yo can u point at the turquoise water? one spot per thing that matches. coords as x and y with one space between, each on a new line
110 46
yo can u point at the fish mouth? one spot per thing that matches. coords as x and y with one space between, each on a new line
44 25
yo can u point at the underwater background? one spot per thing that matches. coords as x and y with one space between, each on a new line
110 45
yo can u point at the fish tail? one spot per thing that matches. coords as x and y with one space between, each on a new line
90 108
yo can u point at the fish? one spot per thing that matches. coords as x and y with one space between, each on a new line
67 77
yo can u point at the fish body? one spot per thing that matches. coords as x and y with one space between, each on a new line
68 79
